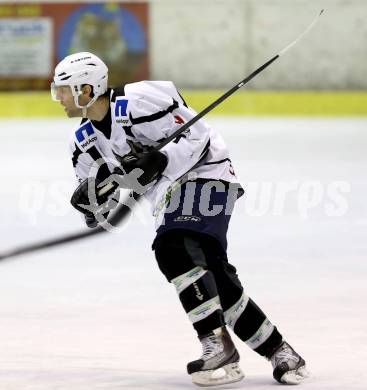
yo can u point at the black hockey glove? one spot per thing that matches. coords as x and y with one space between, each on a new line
86 200
138 170
90 220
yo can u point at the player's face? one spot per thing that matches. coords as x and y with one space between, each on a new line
64 95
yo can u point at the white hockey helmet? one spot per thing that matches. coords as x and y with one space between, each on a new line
77 70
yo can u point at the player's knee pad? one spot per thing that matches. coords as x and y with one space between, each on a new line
178 252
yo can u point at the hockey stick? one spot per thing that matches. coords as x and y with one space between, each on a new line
245 81
121 213
236 87
124 210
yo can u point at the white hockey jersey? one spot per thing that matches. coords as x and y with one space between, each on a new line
147 112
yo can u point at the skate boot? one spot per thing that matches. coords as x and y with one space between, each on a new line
289 367
218 364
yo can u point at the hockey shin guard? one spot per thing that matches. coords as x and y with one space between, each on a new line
252 326
198 294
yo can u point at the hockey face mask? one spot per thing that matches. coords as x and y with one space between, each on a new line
58 93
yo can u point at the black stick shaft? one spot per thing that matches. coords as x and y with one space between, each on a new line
120 214
215 103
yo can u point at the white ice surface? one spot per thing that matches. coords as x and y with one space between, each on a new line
99 315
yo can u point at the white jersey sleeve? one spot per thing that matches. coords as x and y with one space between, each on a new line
156 111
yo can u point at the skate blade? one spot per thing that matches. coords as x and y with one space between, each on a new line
221 376
295 377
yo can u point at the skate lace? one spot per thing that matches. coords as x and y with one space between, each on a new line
285 354
211 347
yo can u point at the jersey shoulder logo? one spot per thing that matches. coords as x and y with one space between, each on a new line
121 111
85 135
121 108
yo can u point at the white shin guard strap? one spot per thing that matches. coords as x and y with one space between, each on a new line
262 334
233 313
185 280
205 309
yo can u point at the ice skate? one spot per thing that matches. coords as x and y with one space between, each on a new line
218 364
289 367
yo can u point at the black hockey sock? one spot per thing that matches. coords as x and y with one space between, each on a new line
252 326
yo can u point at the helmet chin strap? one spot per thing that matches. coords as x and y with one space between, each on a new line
84 112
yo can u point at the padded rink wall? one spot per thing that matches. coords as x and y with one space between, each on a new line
207 46
214 43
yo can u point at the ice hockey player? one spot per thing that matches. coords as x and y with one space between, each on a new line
192 187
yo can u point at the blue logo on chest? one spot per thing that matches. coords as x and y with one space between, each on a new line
83 132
